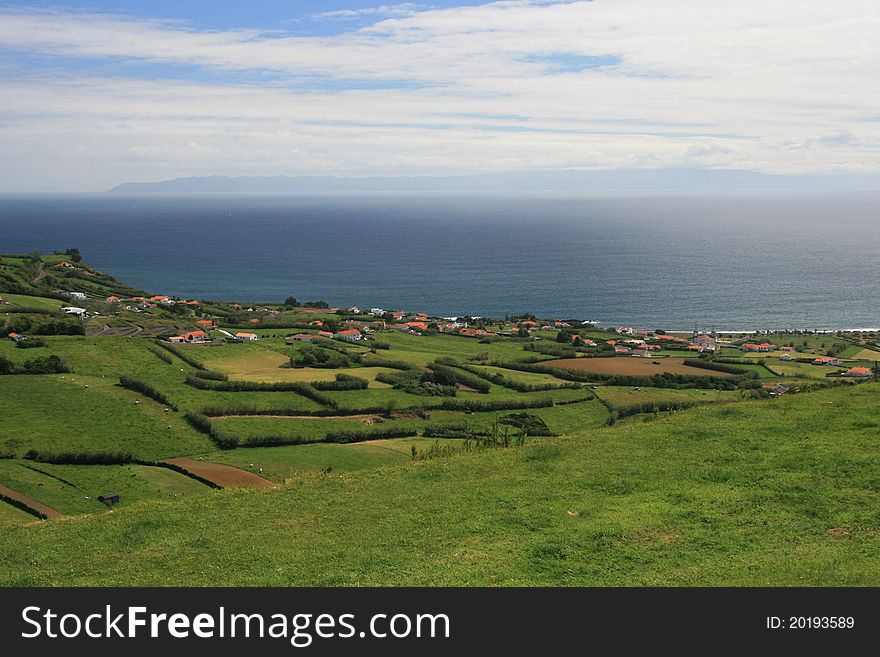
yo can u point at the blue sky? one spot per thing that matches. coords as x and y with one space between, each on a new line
299 16
98 93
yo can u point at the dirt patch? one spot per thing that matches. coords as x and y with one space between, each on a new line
628 366
47 511
223 475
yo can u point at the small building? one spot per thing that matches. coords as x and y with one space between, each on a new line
195 336
79 296
109 498
826 360
641 353
73 310
786 357
858 371
15 337
112 299
177 339
246 337
205 323
349 335
64 264
752 346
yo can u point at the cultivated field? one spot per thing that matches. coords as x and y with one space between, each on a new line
627 366
413 456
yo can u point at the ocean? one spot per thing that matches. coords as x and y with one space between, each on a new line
724 261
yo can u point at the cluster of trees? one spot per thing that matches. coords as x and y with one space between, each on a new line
27 324
531 424
419 383
42 365
450 376
145 389
324 357
30 343
342 382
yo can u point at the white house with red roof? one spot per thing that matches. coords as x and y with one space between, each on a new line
349 335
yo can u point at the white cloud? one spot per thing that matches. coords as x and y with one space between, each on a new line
403 9
779 87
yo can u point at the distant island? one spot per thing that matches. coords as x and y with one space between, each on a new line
631 180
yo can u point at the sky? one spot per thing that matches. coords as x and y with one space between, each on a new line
98 93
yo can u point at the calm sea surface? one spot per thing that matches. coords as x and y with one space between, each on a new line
723 261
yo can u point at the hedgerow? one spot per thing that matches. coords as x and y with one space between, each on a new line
146 389
182 355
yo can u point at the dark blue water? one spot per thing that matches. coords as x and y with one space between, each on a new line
767 261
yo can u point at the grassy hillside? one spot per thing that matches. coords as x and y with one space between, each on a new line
756 493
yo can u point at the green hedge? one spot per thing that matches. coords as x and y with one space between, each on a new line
182 355
146 389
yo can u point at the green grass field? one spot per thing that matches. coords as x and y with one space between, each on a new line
758 493
74 489
282 463
10 515
777 491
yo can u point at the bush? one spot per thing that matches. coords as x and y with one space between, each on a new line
304 389
360 435
342 382
211 376
390 364
663 380
161 355
532 424
182 355
324 357
42 365
145 389
202 423
59 327
501 380
80 458
481 406
444 375
30 343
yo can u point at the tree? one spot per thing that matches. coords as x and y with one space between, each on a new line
291 301
74 255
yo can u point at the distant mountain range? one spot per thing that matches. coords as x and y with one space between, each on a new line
568 181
